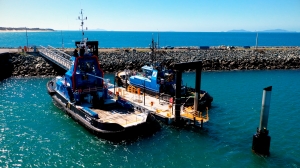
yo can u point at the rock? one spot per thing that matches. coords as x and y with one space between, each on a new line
287 58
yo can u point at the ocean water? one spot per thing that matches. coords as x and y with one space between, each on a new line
110 39
35 133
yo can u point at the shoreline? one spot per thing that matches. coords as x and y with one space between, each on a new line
24 29
21 31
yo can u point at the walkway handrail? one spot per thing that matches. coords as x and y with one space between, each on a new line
55 57
65 54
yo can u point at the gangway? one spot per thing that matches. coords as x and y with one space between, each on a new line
58 57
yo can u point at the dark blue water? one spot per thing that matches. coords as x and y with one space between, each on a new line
35 133
109 39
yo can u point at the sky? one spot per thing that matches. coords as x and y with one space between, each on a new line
153 15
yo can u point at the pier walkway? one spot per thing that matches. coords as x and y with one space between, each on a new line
58 57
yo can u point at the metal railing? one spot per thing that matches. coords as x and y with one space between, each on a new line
65 55
56 56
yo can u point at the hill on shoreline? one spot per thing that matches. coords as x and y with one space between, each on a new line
23 29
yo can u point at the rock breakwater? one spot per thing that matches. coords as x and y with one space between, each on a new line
239 59
24 65
20 64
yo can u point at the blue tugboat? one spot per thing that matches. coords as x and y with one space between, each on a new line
159 81
84 94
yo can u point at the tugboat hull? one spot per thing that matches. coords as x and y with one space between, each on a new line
105 130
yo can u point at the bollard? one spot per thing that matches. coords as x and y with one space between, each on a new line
170 107
261 140
151 103
139 93
117 95
120 91
207 114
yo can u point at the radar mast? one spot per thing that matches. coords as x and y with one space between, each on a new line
82 23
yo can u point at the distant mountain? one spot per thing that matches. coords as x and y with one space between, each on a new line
276 30
240 30
97 29
270 31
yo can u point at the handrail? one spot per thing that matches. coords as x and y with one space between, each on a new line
56 57
59 51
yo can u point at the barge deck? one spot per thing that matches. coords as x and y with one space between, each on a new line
162 109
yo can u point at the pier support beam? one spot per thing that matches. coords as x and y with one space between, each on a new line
261 140
178 96
179 68
197 88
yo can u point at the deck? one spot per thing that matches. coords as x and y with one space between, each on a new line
160 108
121 116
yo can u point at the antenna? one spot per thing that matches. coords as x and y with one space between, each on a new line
153 50
256 40
26 36
62 40
158 40
82 19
